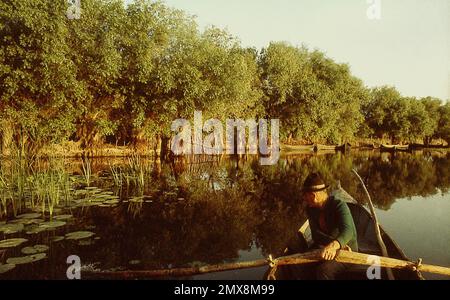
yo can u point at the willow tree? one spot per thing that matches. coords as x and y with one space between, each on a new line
316 99
432 108
206 71
387 114
421 123
95 41
36 74
443 130
146 30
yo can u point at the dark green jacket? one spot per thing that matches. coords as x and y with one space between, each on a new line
339 221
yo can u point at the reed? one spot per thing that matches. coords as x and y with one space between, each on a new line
117 175
5 195
138 170
13 184
87 170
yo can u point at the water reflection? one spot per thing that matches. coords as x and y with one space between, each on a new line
208 212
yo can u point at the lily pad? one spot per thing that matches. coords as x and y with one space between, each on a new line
27 221
111 202
63 217
57 238
26 259
35 230
85 242
5 268
78 235
29 216
28 250
135 262
11 228
10 243
34 249
52 224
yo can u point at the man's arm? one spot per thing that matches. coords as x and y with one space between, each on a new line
347 231
346 225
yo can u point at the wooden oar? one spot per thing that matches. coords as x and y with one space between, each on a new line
298 259
367 260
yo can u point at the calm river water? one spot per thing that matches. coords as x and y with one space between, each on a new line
209 211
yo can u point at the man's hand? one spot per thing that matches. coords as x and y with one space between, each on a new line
330 251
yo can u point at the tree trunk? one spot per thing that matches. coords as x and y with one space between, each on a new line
7 137
165 147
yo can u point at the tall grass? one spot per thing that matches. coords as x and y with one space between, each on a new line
138 170
117 175
133 175
25 184
87 170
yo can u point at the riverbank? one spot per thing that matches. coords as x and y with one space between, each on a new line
73 149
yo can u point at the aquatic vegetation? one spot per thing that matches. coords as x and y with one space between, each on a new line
26 259
6 267
48 187
35 230
11 243
78 235
57 238
87 170
63 217
86 242
117 175
52 224
34 249
11 228
29 216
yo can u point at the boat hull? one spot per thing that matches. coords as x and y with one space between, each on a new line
367 242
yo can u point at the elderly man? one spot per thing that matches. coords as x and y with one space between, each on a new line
332 226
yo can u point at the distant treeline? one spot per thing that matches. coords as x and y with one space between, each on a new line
122 73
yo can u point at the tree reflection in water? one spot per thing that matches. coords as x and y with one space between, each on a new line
207 212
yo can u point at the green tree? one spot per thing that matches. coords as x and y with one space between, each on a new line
432 107
316 99
36 74
95 50
443 130
387 113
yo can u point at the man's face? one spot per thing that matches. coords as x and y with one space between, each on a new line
310 199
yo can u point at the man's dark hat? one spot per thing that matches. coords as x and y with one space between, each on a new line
314 183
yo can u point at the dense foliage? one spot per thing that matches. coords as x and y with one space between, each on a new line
122 73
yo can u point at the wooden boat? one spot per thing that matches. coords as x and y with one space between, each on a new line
344 147
394 148
367 242
297 148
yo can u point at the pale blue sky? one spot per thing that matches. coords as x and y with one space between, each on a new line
409 47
